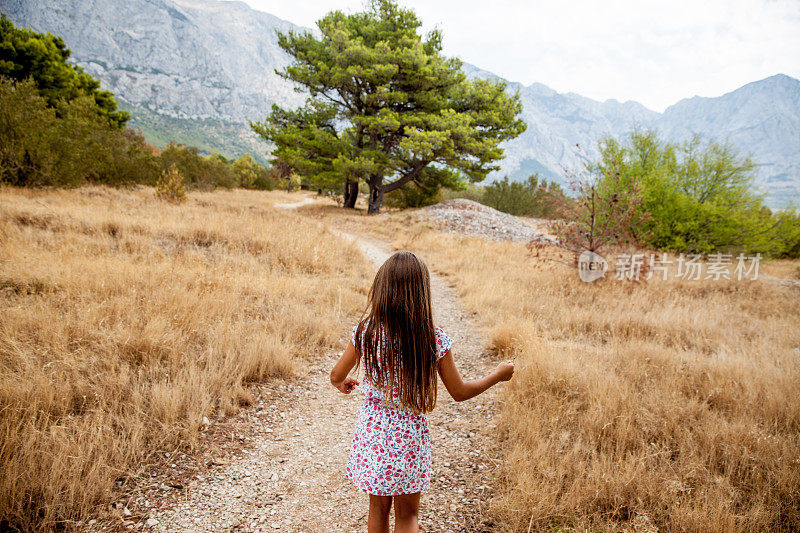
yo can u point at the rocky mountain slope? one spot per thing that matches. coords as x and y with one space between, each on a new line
761 118
192 70
197 71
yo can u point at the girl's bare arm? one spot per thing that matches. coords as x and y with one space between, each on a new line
339 374
462 390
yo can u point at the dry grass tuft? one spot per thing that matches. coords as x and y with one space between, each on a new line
125 320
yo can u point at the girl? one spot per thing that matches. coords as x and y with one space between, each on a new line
402 352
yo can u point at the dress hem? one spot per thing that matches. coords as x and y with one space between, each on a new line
383 493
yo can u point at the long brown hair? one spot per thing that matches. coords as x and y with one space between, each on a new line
399 324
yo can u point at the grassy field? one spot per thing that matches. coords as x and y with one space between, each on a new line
124 320
671 406
667 405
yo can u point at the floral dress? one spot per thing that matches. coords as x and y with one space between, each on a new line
391 450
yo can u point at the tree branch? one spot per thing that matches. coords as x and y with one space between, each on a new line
402 180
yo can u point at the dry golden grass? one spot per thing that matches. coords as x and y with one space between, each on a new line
783 268
671 405
279 196
126 319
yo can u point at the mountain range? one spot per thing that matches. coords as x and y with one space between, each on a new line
197 71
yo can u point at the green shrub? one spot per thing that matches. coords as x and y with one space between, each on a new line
170 186
414 195
251 175
528 198
697 196
27 133
71 145
264 182
246 170
293 182
470 192
199 172
787 234
66 146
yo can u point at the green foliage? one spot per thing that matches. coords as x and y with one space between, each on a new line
786 234
530 198
204 173
533 197
416 194
26 134
696 196
170 186
427 189
264 183
72 145
293 182
387 105
42 57
471 191
246 171
67 146
251 175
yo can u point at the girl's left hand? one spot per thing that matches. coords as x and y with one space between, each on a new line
348 385
505 370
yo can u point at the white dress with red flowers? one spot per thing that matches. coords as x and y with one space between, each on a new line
391 451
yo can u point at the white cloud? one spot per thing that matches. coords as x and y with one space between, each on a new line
652 52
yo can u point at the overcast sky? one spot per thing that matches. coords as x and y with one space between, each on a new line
653 52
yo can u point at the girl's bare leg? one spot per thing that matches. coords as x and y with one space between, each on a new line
406 513
379 508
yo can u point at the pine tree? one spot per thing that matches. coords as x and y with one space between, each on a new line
386 108
43 58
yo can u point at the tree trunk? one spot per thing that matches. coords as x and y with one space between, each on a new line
375 195
350 194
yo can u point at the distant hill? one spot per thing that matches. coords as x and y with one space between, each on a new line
196 71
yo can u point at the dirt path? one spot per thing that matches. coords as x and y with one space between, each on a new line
305 201
289 474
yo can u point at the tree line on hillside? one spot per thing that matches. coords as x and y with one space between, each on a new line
57 128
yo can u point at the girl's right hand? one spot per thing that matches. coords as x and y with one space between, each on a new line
505 370
348 385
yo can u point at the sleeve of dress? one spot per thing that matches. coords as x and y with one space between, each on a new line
353 337
443 343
